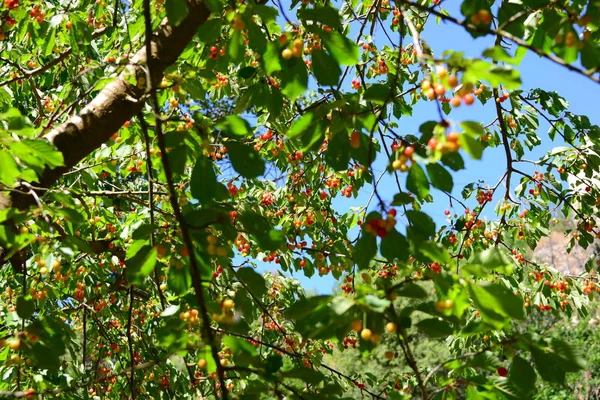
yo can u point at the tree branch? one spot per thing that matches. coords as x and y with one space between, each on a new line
118 102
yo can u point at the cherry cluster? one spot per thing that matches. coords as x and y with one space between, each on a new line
381 227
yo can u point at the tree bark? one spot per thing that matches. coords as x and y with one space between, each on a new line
117 103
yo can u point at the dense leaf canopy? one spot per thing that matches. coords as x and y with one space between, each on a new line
157 156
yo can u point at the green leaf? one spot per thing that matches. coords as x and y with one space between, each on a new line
486 261
337 155
170 310
421 227
496 303
435 327
434 251
417 181
472 146
365 153
134 248
394 246
245 160
203 182
14 119
325 67
254 281
265 13
453 160
376 304
377 93
326 15
300 125
176 11
472 128
341 304
294 78
270 59
267 237
498 53
304 307
144 231
236 48
310 134
590 55
411 290
141 265
496 75
553 362
522 376
256 38
179 281
246 72
50 43
25 307
308 375
273 364
211 363
210 31
9 172
344 50
238 345
439 177
402 199
365 250
274 102
37 154
235 126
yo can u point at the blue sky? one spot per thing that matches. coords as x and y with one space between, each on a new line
581 93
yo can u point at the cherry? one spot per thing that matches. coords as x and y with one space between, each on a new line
469 99
355 140
439 89
390 327
432 143
502 371
452 137
366 334
238 23
408 151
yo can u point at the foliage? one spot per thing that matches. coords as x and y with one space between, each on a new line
580 333
154 153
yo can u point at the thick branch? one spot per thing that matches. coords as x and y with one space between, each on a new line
118 102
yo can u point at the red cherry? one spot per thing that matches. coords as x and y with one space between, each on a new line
214 50
408 151
432 144
452 137
502 371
